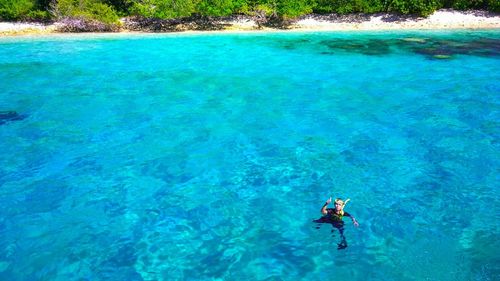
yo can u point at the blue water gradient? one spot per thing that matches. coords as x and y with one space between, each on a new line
206 157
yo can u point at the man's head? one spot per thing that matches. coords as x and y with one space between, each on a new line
339 204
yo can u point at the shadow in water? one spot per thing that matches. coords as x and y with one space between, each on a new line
336 225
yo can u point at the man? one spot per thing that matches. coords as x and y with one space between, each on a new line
334 217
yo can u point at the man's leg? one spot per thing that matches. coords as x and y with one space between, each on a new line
343 242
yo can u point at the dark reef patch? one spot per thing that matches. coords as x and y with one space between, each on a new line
9 116
372 47
430 48
442 48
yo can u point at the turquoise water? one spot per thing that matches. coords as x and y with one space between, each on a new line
206 157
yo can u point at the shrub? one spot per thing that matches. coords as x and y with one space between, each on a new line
15 9
215 7
294 8
370 6
101 12
84 25
121 6
344 6
468 4
348 6
89 10
494 6
163 9
266 10
38 15
417 7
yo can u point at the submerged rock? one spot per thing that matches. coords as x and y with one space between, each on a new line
413 39
442 57
7 116
446 49
372 47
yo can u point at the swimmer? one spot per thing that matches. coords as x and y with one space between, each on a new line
338 213
334 217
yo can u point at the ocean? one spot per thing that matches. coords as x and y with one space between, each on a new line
208 156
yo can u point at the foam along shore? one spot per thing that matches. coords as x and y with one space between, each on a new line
442 19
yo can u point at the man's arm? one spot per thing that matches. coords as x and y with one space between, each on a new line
354 221
323 209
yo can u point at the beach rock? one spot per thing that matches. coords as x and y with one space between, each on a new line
84 25
174 25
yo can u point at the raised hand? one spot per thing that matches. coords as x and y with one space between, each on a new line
329 200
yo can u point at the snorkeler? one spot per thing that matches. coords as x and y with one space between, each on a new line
335 216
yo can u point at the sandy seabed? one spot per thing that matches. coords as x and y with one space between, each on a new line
442 19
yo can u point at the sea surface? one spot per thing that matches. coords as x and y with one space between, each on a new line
207 157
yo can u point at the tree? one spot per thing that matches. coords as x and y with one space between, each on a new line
163 9
15 9
86 9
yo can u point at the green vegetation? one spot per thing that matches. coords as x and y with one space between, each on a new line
109 11
163 9
419 7
18 9
85 9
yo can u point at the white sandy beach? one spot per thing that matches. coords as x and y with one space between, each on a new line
442 19
20 28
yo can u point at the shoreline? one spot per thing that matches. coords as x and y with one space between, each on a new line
439 20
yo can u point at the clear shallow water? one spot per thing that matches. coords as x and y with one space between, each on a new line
207 157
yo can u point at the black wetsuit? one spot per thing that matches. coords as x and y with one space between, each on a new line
336 221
